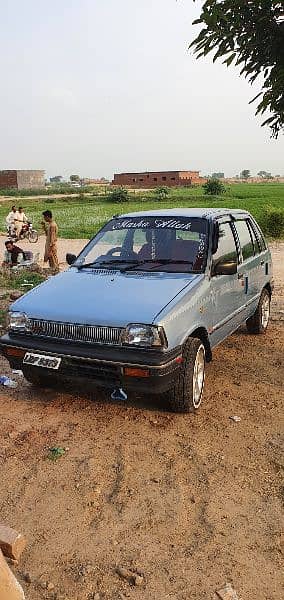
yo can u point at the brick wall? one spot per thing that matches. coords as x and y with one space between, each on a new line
157 178
8 179
30 179
21 179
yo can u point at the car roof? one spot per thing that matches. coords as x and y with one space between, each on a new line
202 213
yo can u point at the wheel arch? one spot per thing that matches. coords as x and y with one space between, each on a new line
201 333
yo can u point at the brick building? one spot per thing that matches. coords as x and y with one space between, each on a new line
158 178
21 179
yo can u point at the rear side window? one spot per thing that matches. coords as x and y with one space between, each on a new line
259 236
226 250
256 243
244 239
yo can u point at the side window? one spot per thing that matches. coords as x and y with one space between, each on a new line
226 245
260 238
256 243
245 239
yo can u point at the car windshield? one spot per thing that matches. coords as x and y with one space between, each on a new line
172 244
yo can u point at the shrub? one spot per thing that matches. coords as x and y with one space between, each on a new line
162 192
272 222
213 187
119 194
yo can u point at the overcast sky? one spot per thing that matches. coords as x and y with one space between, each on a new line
102 86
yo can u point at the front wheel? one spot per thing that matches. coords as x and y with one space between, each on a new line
33 236
258 323
187 393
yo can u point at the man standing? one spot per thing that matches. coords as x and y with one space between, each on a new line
10 220
13 255
20 219
51 231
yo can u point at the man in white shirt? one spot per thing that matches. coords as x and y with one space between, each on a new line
20 219
10 220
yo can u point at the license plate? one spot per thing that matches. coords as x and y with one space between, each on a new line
40 360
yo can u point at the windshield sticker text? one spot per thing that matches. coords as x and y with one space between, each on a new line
153 224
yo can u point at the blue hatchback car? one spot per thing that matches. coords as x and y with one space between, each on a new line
145 302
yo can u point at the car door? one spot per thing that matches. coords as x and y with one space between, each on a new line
248 270
227 295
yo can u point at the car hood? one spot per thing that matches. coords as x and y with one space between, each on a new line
103 297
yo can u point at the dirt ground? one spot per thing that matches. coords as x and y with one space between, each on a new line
186 503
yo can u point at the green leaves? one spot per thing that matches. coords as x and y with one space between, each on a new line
213 187
56 452
252 33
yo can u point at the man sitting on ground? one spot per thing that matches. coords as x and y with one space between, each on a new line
13 255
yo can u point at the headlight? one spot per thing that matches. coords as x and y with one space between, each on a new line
18 321
148 336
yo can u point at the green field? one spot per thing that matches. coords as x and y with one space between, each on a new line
81 217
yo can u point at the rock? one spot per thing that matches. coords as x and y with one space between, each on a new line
138 580
50 586
27 577
235 418
227 593
16 294
125 574
12 543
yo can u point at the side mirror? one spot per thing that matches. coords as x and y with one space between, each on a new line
225 267
70 258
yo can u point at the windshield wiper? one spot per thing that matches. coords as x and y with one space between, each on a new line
97 265
158 261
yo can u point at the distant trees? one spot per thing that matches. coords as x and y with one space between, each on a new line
213 187
56 179
265 175
218 175
75 178
245 174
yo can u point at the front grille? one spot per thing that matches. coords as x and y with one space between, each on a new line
91 334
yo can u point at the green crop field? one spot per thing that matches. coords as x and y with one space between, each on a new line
81 217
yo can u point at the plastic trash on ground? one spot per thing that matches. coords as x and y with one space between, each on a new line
118 394
7 381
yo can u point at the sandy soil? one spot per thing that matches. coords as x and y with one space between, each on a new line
186 502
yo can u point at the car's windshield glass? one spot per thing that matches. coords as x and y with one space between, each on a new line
175 244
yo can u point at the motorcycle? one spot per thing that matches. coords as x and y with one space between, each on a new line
27 233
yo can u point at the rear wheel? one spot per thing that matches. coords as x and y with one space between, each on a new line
33 236
187 393
258 323
38 378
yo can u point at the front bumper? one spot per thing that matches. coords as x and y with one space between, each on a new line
105 366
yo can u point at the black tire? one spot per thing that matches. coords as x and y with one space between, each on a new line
33 236
258 323
181 398
38 378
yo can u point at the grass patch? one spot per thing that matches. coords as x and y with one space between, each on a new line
24 280
84 215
